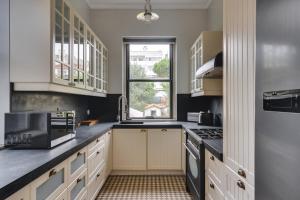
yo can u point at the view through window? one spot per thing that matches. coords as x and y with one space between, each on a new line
149 80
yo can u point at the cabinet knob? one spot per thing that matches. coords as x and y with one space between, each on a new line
52 172
242 173
143 130
164 130
98 140
98 175
98 152
79 154
241 184
212 186
212 158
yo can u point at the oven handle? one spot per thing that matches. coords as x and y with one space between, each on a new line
192 154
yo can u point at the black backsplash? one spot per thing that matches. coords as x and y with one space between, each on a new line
186 103
104 109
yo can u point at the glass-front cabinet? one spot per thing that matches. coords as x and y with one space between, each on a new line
105 70
80 59
62 49
78 52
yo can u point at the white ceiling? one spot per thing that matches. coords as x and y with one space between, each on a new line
156 4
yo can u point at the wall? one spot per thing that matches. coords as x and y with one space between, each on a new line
4 64
82 8
215 15
112 25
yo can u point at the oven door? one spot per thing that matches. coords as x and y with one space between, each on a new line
195 170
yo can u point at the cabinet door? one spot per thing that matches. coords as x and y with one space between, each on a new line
239 87
99 71
183 152
78 52
51 184
108 153
78 187
129 149
164 149
90 60
62 43
23 194
105 70
77 164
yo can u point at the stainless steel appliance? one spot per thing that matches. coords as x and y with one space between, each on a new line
211 69
202 118
195 159
277 129
39 130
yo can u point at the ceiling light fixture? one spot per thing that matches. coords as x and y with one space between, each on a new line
147 16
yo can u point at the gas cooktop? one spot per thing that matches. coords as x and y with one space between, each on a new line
209 133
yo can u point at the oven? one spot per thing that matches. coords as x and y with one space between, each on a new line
195 167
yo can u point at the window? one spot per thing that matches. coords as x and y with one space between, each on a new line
149 78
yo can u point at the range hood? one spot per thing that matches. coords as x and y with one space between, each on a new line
211 69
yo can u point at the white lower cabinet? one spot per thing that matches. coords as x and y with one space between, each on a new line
236 187
50 185
164 149
78 188
96 182
129 149
214 177
183 152
77 164
79 177
23 194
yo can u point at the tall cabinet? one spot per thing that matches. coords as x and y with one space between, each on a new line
57 50
239 95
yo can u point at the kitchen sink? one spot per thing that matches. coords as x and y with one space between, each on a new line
131 122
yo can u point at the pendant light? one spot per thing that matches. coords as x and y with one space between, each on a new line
147 16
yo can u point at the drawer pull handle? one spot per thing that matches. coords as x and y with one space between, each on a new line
52 173
78 180
212 158
164 130
241 185
143 131
212 186
242 173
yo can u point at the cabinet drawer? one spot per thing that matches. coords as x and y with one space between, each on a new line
212 191
23 194
78 187
77 164
96 183
215 168
51 184
63 195
92 147
236 188
94 160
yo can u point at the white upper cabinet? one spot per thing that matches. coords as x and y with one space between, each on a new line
206 47
239 96
53 49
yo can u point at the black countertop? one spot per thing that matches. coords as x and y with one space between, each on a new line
20 167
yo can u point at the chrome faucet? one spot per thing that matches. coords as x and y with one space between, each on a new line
124 98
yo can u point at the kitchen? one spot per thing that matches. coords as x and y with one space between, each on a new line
149 99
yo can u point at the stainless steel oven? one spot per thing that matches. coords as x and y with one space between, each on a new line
195 167
39 130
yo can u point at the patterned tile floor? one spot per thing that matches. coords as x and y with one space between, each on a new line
144 188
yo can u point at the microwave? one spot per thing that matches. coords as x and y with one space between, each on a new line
39 130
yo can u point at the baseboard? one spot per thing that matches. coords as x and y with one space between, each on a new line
147 173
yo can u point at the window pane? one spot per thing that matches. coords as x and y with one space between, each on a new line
149 61
149 100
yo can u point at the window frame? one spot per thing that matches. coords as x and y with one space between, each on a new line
168 41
